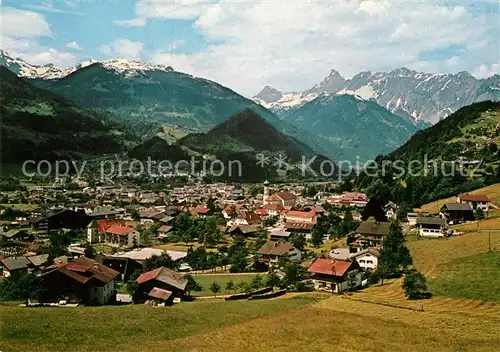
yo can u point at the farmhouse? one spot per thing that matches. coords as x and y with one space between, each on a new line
164 279
335 275
370 234
457 212
272 251
15 266
83 280
431 226
476 201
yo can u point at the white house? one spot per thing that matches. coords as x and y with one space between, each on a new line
121 236
431 226
335 275
476 201
367 259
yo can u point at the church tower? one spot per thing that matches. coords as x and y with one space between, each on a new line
266 192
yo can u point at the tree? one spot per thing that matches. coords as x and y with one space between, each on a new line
230 286
157 261
395 255
479 214
134 214
257 282
192 285
374 208
215 288
89 251
25 287
415 285
298 241
352 280
294 273
270 221
273 280
133 287
59 242
317 237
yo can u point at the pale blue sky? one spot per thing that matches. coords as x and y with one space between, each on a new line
245 45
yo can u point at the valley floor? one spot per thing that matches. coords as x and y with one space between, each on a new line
297 321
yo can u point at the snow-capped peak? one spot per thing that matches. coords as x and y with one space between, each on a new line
49 71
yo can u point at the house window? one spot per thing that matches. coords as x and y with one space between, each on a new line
369 261
362 261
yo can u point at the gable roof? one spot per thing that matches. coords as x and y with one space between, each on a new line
165 228
160 293
104 224
84 269
38 260
276 248
165 275
457 206
304 214
119 230
374 228
15 263
330 267
372 251
430 220
474 197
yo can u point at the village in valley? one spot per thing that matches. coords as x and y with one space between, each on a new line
75 244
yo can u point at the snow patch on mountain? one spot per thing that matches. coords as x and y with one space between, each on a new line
421 96
122 66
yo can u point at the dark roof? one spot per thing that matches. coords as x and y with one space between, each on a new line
374 228
298 226
430 220
15 263
276 248
244 228
457 206
165 275
38 260
84 269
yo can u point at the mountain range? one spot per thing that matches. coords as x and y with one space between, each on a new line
37 124
422 96
338 118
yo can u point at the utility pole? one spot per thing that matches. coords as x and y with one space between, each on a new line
489 240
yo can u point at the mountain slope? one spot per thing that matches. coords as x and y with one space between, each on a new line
246 132
422 96
359 127
470 132
240 139
459 154
37 124
151 97
164 96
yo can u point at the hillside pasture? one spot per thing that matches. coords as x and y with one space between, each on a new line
493 192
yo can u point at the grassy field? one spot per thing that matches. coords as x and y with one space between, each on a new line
488 224
128 328
20 207
475 277
493 192
206 280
